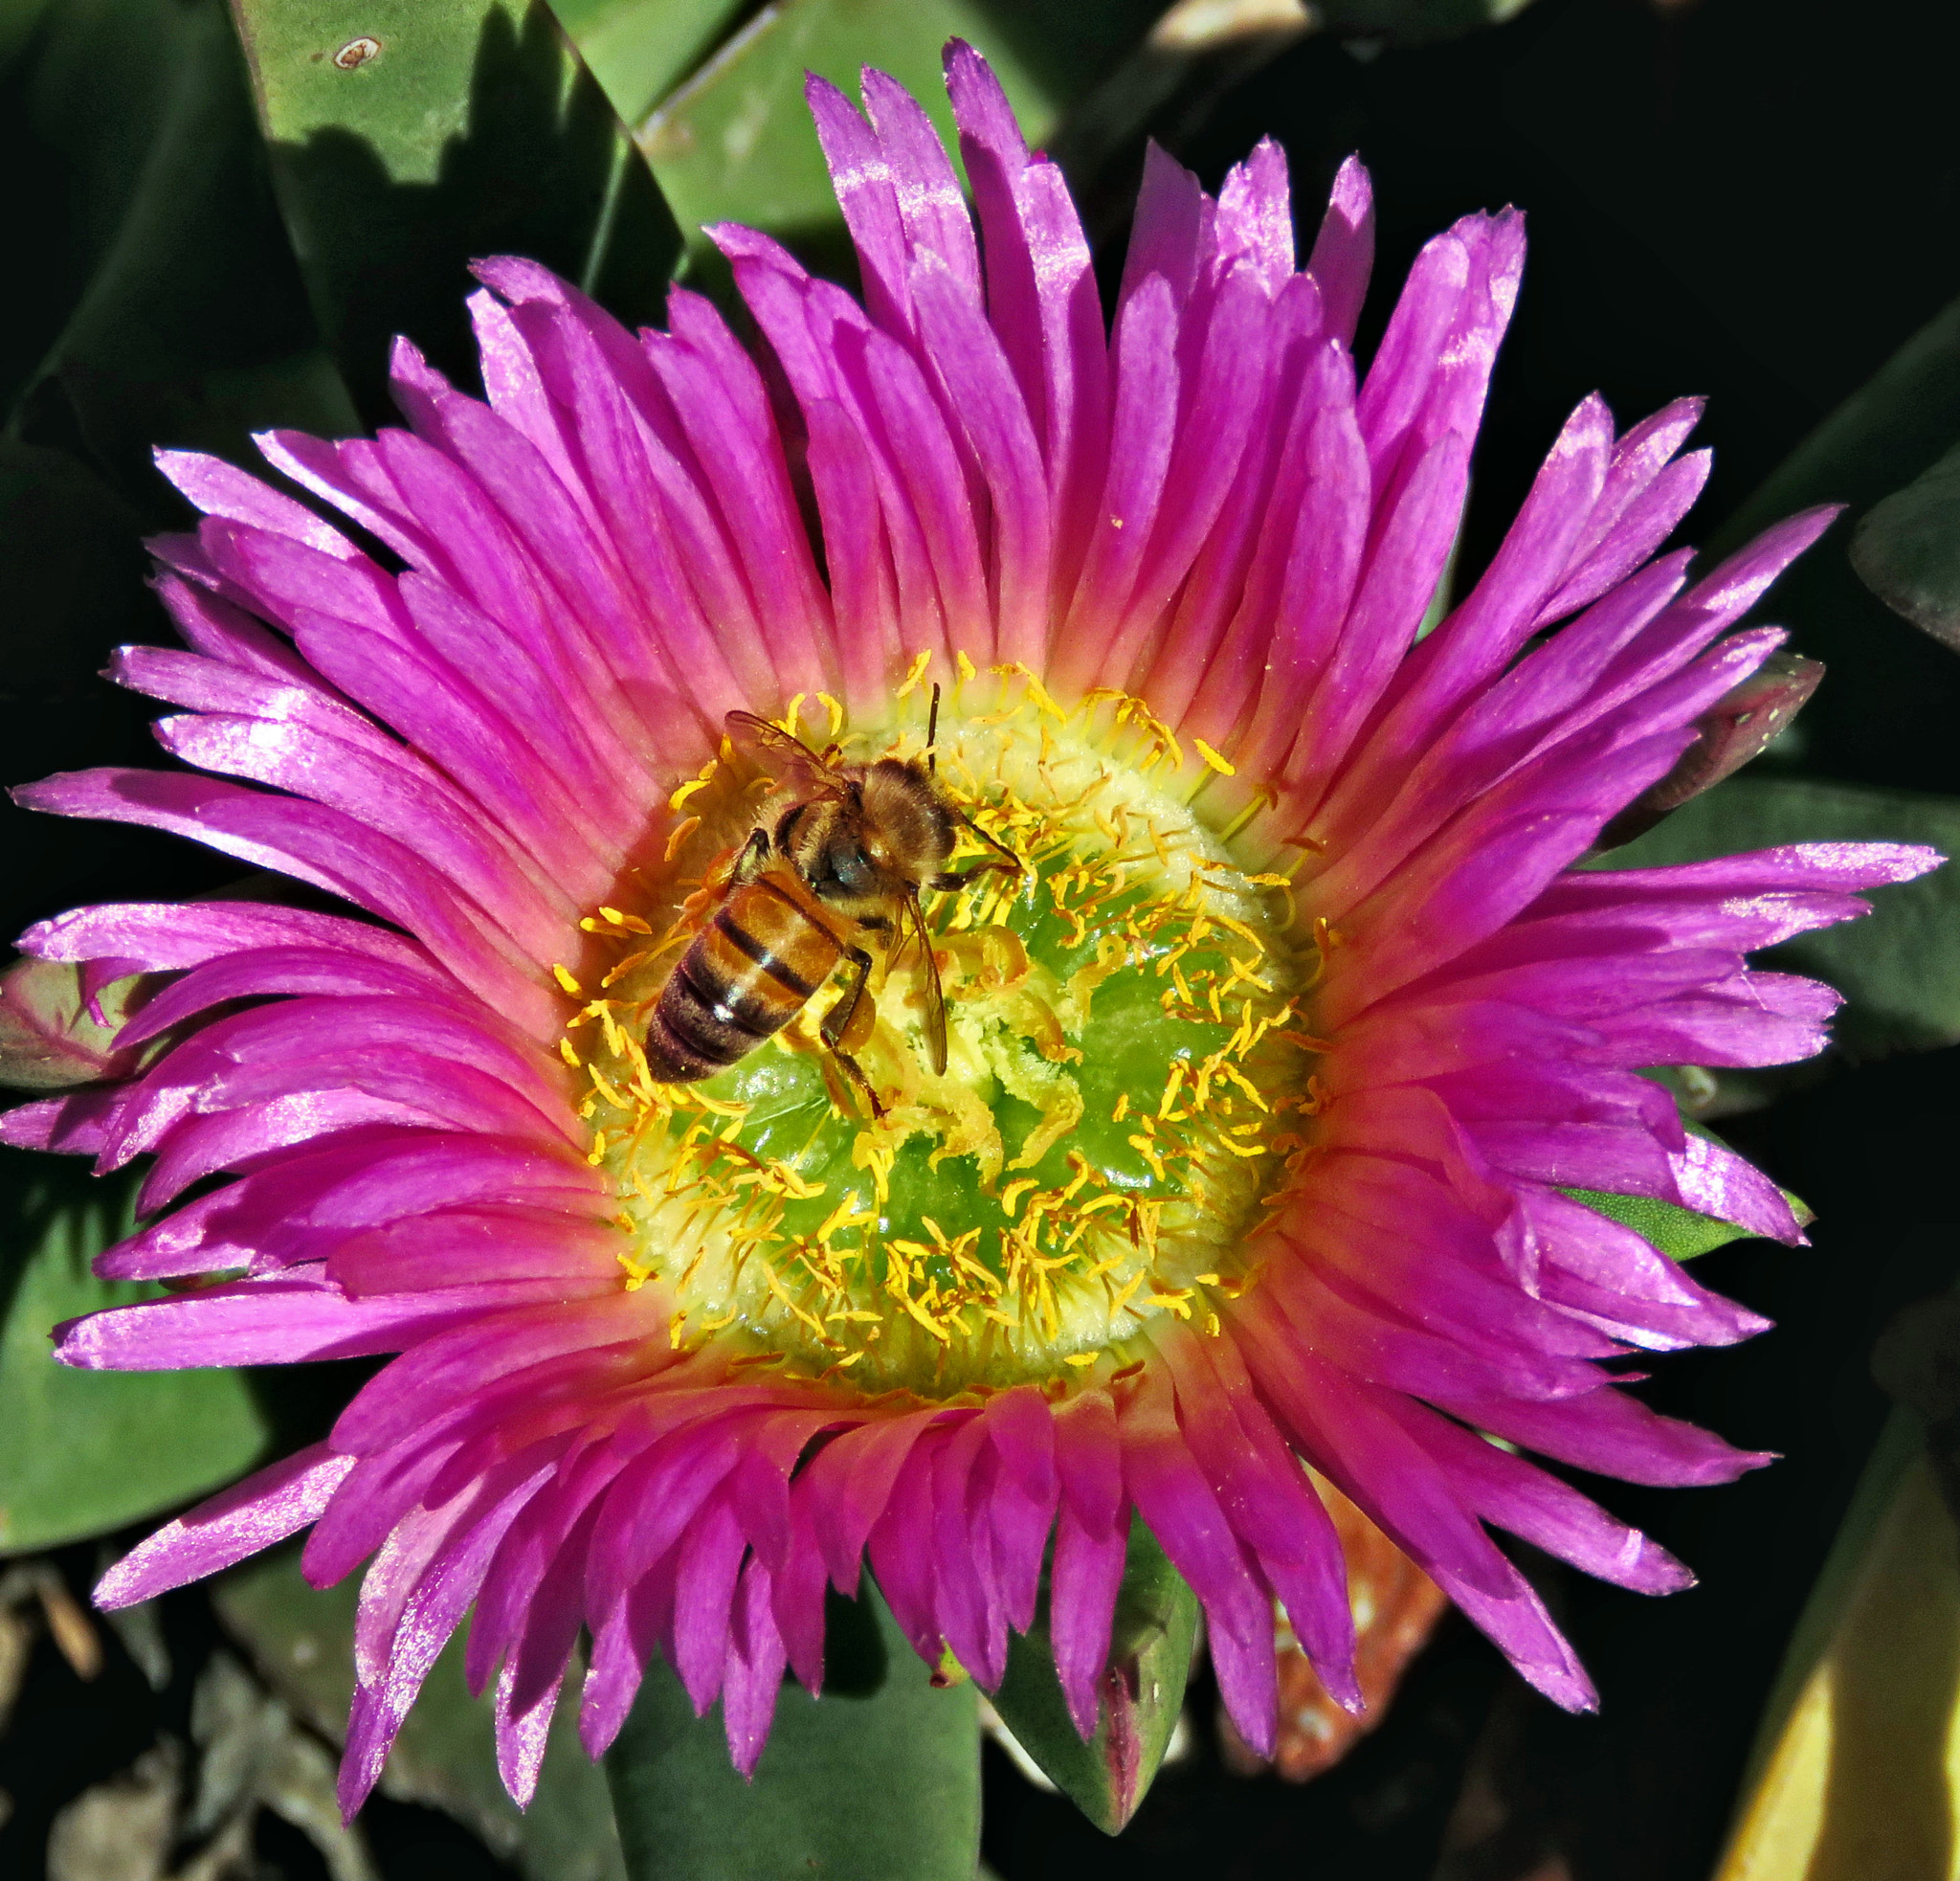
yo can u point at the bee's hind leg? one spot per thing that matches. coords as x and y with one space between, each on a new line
842 1030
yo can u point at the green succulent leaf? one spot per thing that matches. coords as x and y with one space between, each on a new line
884 1787
1907 550
301 1640
154 294
87 1452
1885 712
410 136
1150 1659
1899 968
639 49
735 142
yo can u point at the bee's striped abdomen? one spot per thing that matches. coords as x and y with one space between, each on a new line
744 978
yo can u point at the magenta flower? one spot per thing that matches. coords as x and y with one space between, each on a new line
1263 1083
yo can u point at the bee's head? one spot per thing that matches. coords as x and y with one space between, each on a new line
881 837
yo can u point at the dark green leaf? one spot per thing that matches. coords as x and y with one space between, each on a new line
1899 968
1886 713
639 49
1150 1658
1892 428
154 298
735 144
881 1788
302 1640
409 136
90 1451
74 564
1908 548
1679 1233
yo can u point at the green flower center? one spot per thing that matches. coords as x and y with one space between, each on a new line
1125 1042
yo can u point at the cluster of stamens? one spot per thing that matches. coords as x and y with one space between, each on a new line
1121 1110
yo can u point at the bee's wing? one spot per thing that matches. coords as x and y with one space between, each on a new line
786 747
935 994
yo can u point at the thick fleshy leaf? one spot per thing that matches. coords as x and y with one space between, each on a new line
152 297
1899 969
735 143
86 1452
73 561
301 1640
1887 714
412 135
880 1788
639 49
153 293
1908 548
1141 1694
1851 1777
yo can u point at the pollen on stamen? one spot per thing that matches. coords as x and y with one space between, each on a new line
1026 1214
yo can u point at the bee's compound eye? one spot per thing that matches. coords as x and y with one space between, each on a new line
852 869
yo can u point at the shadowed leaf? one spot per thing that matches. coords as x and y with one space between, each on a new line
1899 968
639 49
1907 550
1887 715
1143 1692
877 1788
152 295
86 1452
410 136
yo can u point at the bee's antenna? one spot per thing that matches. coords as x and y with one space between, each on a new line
932 733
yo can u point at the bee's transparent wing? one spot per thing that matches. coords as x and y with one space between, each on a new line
803 765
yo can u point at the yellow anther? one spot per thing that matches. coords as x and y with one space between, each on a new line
678 836
1082 1358
966 667
566 980
916 673
567 1052
1213 760
835 711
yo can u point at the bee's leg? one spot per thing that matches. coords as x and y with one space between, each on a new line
840 1028
1007 860
879 924
959 878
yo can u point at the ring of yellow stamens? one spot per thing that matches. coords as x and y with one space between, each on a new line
1126 1039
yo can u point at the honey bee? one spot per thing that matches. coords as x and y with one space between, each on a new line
835 846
